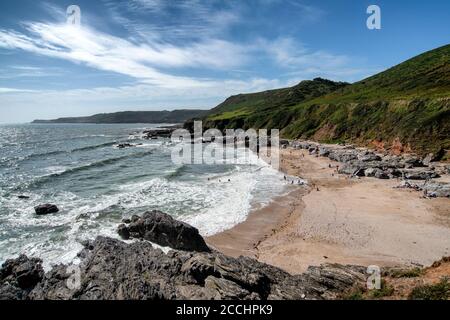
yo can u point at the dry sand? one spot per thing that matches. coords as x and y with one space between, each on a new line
337 219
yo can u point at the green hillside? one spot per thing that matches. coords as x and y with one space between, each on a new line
175 116
408 104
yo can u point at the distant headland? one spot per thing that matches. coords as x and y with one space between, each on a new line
175 116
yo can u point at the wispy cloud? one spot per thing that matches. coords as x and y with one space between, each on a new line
17 71
179 20
289 53
15 90
171 61
111 53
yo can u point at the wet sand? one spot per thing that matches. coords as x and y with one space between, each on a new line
337 219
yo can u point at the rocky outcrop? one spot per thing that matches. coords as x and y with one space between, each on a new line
419 174
19 276
46 209
360 162
113 269
158 133
431 189
437 189
162 229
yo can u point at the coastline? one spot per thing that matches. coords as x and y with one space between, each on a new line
337 219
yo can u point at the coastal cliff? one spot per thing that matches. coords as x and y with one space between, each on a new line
405 108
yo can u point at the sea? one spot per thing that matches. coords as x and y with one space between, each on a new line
95 184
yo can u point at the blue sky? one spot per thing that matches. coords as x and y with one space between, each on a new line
168 54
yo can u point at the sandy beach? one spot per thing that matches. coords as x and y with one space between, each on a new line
339 219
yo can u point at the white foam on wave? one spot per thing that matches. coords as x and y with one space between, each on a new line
209 202
55 169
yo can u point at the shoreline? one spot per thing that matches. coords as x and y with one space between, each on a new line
336 219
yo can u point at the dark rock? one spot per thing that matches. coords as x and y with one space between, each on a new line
112 269
312 150
324 151
19 276
126 221
11 292
23 197
419 174
123 231
46 209
124 145
437 189
381 175
347 169
162 229
368 156
377 173
432 189
427 160
360 172
411 161
343 155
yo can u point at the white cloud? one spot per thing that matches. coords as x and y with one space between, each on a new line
180 20
110 53
288 53
157 63
17 71
14 90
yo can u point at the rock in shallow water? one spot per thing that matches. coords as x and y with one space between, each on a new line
46 209
162 229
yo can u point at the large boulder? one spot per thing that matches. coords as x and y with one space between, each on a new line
437 189
324 151
367 156
343 155
162 229
46 209
411 161
377 173
419 174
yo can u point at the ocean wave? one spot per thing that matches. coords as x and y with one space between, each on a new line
97 164
80 137
213 199
177 172
58 152
93 147
43 154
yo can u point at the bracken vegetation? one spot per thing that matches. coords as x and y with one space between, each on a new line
439 291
